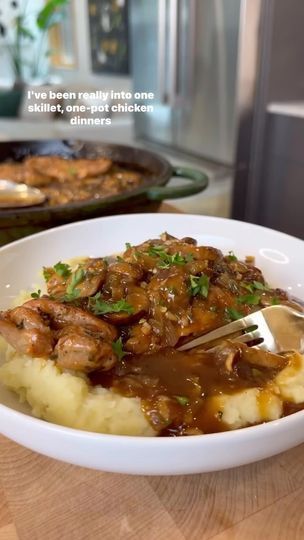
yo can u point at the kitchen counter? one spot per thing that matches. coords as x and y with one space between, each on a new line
44 499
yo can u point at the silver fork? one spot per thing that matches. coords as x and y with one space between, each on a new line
278 329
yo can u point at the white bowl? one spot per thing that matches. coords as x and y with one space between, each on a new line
281 258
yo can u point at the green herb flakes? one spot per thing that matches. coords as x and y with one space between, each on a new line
102 307
233 314
47 273
117 347
260 286
167 260
36 294
72 293
199 285
249 299
231 256
62 269
182 400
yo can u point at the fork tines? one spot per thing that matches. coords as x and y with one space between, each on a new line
248 327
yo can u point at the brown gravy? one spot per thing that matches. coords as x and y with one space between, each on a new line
175 386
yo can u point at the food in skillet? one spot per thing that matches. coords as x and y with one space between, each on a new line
70 180
98 351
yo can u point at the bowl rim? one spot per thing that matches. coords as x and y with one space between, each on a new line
134 216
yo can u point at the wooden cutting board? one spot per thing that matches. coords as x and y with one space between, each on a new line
44 499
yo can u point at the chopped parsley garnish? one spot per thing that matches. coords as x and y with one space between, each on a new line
155 251
248 286
255 286
233 314
249 299
36 294
275 301
117 347
260 286
128 245
62 269
199 285
167 260
182 400
231 256
47 273
71 292
101 307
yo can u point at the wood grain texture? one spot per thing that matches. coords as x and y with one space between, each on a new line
41 498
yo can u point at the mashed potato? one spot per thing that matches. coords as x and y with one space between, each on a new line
67 399
250 406
291 380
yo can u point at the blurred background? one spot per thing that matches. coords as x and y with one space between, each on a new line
227 75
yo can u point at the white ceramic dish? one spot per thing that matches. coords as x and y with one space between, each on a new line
281 258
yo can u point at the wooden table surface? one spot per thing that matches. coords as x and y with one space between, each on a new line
44 499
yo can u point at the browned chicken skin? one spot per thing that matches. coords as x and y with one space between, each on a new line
94 274
63 170
82 350
27 332
73 337
64 314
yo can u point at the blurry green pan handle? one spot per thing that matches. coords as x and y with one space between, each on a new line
198 182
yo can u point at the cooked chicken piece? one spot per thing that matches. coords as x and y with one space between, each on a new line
27 332
92 273
128 272
24 173
83 350
65 314
32 177
231 353
197 267
209 313
199 253
155 253
169 287
119 276
66 170
56 284
12 171
82 341
95 271
141 339
258 357
137 298
114 287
